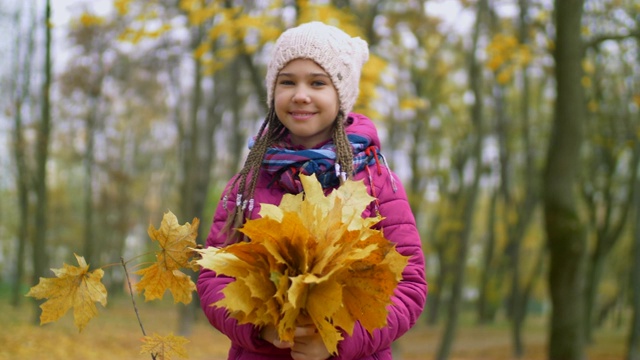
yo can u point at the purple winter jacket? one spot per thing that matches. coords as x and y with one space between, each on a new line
399 227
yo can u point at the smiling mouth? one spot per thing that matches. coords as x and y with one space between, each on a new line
301 115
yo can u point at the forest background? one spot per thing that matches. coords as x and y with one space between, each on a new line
515 126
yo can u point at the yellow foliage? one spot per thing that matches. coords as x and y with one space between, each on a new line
505 75
164 347
593 106
586 82
198 15
175 242
202 49
588 67
369 81
73 287
122 6
413 103
89 20
156 33
636 99
329 14
313 259
190 5
505 55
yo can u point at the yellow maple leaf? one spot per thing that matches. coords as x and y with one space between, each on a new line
176 243
74 286
164 347
313 259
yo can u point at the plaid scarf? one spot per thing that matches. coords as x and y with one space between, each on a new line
286 163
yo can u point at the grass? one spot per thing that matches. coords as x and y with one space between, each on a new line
115 334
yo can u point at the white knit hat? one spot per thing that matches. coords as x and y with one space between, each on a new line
340 55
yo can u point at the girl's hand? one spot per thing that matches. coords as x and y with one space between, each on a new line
308 344
270 334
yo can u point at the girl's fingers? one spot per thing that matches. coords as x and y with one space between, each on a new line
302 331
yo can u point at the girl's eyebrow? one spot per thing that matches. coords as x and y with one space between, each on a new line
309 74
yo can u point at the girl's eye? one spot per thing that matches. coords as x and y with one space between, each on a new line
286 82
318 83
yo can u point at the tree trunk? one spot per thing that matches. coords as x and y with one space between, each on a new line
89 251
485 314
190 161
40 258
608 233
566 236
436 287
238 126
21 87
524 208
633 346
467 193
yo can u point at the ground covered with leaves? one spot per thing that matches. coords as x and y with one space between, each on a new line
115 334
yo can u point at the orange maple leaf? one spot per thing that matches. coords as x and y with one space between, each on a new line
176 243
73 287
164 347
314 258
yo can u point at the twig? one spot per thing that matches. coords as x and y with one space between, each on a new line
133 301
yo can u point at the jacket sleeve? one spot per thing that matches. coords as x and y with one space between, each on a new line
210 286
409 298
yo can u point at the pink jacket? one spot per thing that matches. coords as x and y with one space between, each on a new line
399 227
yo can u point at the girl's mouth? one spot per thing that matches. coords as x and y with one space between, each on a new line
301 115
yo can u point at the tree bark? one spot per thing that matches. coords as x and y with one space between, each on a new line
436 287
610 227
465 199
566 236
89 251
485 313
40 258
190 155
633 345
20 91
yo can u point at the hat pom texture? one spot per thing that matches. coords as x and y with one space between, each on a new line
339 54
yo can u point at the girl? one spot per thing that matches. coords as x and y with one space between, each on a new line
312 83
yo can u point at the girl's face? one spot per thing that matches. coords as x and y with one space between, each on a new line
306 102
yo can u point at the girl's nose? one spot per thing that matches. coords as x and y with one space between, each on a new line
301 96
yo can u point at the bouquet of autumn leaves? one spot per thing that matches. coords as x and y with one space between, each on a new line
312 257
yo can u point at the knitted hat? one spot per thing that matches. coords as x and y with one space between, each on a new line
340 55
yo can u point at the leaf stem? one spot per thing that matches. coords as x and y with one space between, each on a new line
140 255
122 261
133 300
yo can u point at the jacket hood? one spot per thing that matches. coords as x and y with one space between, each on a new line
359 124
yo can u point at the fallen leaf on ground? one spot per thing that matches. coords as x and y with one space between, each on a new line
164 347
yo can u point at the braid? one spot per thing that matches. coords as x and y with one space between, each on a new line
344 151
270 132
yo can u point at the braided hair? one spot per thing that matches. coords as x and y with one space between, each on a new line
271 132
